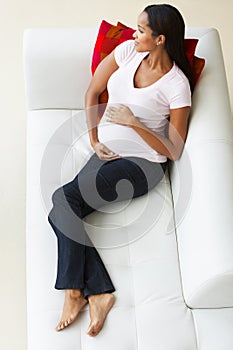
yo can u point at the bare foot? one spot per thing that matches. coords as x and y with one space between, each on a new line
100 305
74 302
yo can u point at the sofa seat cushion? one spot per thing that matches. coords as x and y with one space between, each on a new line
140 255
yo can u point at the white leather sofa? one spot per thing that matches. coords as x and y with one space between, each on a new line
169 253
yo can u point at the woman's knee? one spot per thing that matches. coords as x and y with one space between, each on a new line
68 191
67 197
58 195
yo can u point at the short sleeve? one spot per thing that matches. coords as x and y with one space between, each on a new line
124 52
181 96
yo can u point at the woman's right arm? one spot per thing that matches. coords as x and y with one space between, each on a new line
98 84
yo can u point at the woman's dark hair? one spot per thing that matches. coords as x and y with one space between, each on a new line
166 20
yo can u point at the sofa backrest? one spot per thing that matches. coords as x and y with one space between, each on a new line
58 66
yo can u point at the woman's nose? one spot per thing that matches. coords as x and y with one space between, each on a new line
135 34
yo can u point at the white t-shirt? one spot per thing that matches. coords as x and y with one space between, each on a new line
151 104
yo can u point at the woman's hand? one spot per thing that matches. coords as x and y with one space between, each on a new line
121 115
104 152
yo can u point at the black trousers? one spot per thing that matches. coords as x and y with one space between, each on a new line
97 184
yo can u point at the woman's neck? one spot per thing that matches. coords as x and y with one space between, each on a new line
159 60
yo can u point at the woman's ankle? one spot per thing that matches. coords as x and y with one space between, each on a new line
74 293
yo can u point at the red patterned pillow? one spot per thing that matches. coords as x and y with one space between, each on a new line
196 63
109 36
190 46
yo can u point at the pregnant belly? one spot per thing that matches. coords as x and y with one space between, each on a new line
122 140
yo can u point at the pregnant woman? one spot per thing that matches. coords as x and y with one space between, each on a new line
149 83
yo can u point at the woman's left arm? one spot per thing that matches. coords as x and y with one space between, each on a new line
170 146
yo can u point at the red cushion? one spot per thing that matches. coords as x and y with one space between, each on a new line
109 36
196 63
190 46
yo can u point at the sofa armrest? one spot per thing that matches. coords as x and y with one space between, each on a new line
202 188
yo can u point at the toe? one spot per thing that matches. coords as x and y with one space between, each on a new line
63 324
94 329
58 328
70 320
90 329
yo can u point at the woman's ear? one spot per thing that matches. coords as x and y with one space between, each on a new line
160 40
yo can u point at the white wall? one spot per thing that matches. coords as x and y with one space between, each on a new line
15 16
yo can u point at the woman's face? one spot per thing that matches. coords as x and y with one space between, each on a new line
144 41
